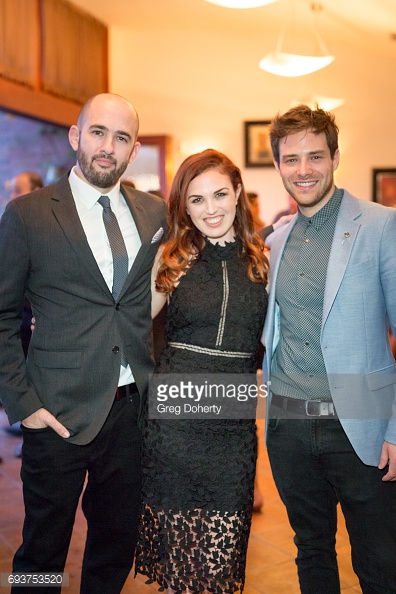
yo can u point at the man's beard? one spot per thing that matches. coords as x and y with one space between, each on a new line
100 179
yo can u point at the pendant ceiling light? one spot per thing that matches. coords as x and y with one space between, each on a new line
241 3
283 64
290 64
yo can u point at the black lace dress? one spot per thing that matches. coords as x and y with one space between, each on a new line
198 474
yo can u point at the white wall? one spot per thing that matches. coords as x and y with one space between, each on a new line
193 91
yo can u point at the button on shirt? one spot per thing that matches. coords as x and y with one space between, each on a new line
298 369
91 217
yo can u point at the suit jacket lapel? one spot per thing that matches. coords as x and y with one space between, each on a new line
277 247
145 230
64 209
345 233
347 228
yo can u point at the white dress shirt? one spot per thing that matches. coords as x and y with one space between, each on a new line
91 217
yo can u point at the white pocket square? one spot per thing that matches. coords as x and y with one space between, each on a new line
158 235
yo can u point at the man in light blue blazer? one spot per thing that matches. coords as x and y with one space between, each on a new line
331 428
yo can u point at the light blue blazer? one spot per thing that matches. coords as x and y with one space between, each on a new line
359 306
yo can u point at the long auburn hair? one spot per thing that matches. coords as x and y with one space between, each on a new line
185 242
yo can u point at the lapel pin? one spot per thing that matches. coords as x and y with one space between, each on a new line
346 235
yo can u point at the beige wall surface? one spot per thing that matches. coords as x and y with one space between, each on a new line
185 88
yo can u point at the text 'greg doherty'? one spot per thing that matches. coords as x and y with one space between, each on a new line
191 409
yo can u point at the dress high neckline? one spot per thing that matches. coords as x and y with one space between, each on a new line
216 251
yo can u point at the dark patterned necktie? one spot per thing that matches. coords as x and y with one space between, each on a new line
119 252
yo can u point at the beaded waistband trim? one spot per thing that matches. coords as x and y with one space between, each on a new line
206 351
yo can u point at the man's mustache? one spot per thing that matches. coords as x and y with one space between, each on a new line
104 156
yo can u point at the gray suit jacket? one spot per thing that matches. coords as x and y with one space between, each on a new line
359 305
71 368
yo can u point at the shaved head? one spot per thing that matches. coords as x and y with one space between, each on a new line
106 98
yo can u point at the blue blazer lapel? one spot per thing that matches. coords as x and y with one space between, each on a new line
277 247
346 230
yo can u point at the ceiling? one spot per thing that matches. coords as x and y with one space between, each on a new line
196 35
371 21
191 69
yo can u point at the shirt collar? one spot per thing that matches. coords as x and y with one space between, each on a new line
327 211
89 195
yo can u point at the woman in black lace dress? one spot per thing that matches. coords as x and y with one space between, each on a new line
199 473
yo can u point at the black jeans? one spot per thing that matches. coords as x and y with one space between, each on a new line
53 475
315 467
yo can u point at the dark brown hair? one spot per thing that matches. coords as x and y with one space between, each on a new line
185 241
301 118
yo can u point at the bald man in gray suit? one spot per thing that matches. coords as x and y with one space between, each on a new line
79 395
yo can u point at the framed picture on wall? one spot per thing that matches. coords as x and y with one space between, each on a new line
384 186
257 144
